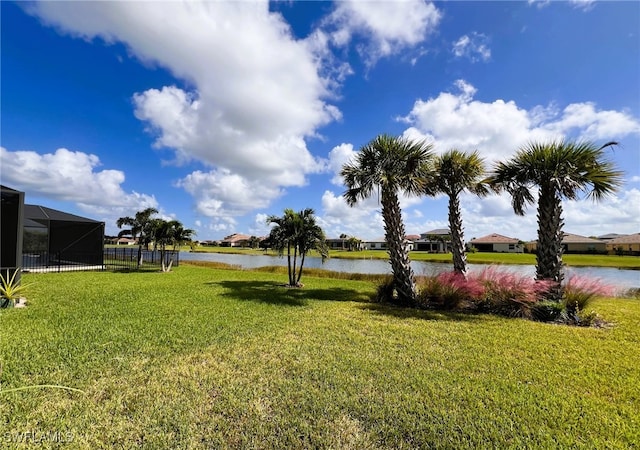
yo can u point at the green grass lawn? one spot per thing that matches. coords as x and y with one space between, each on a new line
213 358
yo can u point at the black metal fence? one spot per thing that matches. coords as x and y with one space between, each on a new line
128 258
114 259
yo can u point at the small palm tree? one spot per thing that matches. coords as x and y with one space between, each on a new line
560 170
141 227
298 233
169 233
391 165
457 172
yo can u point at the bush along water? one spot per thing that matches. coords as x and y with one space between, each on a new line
578 293
497 291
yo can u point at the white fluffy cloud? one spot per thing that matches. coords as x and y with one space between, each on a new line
72 176
497 129
255 92
387 27
222 193
474 46
338 156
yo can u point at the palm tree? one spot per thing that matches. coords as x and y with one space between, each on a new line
298 233
391 165
457 172
254 242
141 226
169 233
182 236
560 170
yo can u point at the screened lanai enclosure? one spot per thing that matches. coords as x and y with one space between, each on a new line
11 214
54 239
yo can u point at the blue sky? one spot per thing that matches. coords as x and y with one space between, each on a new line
222 113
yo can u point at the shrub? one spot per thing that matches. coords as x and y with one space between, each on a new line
578 293
546 311
510 294
448 290
632 293
384 291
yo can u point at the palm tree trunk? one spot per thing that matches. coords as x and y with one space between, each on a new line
302 255
457 236
289 261
292 278
549 251
403 277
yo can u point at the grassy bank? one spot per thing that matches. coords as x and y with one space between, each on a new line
622 262
214 358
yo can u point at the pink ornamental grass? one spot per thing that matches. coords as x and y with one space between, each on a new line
580 290
448 290
509 293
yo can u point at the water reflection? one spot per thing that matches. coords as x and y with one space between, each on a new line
618 277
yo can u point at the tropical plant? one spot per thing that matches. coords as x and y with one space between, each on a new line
11 289
353 243
141 228
254 242
457 172
559 169
391 165
169 233
577 295
183 236
298 233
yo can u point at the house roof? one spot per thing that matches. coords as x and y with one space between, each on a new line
610 236
626 239
8 189
37 213
412 237
570 238
236 237
494 238
437 231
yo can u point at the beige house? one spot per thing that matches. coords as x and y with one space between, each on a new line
497 243
626 245
236 240
574 243
126 241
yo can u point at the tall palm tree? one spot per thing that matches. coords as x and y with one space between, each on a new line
457 172
141 227
560 170
391 165
298 233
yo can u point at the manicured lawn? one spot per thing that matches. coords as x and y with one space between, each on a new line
214 358
628 262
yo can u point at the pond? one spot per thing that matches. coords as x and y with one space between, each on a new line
622 278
